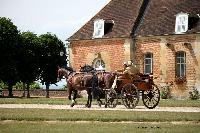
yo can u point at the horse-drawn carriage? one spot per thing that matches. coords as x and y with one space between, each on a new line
129 88
125 86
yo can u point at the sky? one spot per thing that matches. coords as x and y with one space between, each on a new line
60 17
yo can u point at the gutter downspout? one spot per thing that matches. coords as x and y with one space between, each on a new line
136 26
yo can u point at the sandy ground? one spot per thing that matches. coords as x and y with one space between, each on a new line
96 107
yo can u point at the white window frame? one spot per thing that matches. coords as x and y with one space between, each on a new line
151 62
180 62
101 65
181 25
98 28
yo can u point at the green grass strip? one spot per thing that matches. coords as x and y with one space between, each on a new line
64 101
91 115
95 127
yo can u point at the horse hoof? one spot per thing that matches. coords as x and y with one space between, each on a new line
99 104
87 106
106 105
72 105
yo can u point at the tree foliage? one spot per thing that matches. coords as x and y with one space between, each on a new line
28 66
25 56
50 50
29 57
9 45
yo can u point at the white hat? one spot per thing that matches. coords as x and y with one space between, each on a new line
129 62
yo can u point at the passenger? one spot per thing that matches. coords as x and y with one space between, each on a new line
132 71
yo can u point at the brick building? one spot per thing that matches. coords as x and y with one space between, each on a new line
160 36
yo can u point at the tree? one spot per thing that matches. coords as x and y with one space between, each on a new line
9 45
51 50
28 66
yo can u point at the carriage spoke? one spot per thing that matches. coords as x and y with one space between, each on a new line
130 96
151 98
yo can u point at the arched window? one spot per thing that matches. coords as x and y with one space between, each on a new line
99 64
148 63
180 64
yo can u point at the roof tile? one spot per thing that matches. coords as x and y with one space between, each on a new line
124 14
159 17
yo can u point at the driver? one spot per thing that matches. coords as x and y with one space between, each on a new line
132 71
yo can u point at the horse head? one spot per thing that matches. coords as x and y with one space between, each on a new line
86 68
64 72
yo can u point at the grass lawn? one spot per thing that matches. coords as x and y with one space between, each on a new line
94 127
97 115
63 101
99 121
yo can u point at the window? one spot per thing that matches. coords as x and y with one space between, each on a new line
98 28
108 26
192 22
181 23
99 64
102 27
148 63
180 64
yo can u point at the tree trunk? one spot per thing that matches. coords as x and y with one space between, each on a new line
28 92
47 90
10 90
24 89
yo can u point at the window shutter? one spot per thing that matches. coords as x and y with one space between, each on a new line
98 28
181 25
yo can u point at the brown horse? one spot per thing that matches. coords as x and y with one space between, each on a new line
105 81
78 82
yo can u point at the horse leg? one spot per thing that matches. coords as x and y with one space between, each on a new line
74 98
89 101
87 104
99 101
99 97
70 92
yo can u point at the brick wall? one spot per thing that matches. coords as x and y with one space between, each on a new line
164 51
144 46
39 92
117 50
112 52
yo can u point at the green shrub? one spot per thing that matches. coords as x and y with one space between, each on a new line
21 85
165 92
2 85
194 94
34 86
64 87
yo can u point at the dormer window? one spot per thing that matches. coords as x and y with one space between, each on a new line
181 23
98 28
102 27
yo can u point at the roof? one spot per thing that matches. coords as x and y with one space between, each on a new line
124 14
160 15
141 18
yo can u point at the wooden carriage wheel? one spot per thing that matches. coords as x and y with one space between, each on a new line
130 96
151 97
112 98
